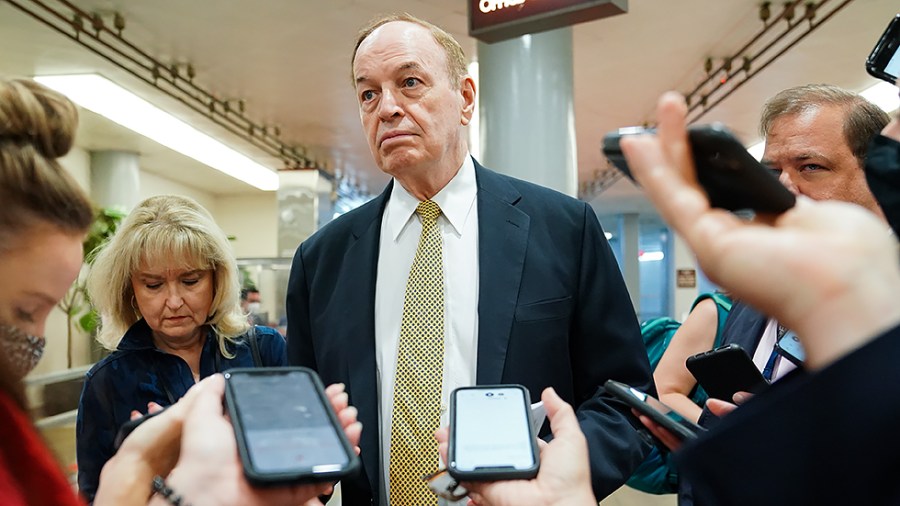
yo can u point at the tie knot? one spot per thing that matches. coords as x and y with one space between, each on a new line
428 210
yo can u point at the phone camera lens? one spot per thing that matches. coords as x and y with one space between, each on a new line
489 394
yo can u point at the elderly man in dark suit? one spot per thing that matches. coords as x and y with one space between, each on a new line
456 275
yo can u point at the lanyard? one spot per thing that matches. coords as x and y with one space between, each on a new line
769 369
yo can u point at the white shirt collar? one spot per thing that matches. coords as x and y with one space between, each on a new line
455 200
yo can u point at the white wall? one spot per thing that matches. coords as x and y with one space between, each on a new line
252 220
684 259
152 184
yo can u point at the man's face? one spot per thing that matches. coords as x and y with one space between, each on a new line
411 112
810 154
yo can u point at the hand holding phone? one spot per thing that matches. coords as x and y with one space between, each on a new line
647 405
884 61
129 427
725 371
285 428
731 177
491 435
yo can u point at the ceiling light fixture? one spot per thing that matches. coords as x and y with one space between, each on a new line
102 96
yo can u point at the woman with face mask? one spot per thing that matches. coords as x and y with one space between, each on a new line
43 219
168 289
44 216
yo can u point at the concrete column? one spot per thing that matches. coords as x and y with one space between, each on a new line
630 268
526 113
298 201
683 260
115 179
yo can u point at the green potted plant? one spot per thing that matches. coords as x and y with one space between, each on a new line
76 304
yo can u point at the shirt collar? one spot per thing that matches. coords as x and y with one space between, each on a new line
455 200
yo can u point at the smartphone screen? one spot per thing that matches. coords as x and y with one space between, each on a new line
884 61
491 433
284 424
789 347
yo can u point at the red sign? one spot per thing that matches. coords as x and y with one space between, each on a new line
496 20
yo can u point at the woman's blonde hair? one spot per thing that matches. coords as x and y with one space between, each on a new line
166 229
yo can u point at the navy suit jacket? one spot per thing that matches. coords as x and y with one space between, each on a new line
829 437
744 326
552 311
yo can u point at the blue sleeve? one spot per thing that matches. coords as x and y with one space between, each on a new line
95 431
272 347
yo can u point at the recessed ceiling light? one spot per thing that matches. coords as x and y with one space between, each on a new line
102 96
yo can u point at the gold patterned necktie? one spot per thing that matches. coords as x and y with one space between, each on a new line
420 370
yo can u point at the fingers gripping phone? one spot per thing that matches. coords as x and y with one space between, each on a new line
285 427
884 61
651 407
491 437
730 176
128 427
726 370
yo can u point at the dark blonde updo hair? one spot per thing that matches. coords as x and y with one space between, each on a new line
37 126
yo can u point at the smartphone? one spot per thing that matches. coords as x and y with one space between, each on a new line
285 428
790 348
884 61
491 435
680 427
726 370
129 427
731 177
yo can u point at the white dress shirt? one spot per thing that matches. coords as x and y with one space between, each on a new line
400 231
764 351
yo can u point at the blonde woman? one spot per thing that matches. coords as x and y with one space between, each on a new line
168 291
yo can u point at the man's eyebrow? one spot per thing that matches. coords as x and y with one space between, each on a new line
412 65
809 155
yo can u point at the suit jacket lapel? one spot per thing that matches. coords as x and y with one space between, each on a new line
359 296
502 237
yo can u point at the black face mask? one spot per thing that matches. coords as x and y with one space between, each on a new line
22 351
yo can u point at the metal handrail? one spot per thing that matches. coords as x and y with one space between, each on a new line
57 376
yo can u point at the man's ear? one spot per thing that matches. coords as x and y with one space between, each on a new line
467 90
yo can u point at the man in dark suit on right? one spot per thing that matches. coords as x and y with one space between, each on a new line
817 137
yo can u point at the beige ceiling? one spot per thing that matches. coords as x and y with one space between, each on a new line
289 60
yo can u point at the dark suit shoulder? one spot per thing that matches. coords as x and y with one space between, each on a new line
525 193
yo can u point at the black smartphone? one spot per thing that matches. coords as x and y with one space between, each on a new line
285 428
731 177
646 404
129 426
789 347
884 60
491 437
726 370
